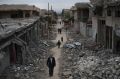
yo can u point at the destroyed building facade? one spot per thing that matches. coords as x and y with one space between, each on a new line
98 19
105 23
16 35
82 20
18 11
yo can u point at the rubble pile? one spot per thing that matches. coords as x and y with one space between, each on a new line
22 71
72 34
73 45
35 64
87 63
84 64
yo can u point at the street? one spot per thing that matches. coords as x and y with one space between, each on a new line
81 63
73 39
57 52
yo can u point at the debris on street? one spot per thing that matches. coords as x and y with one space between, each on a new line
87 63
34 65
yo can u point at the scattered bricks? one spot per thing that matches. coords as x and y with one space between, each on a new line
92 62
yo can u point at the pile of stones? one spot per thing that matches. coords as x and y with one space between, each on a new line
87 63
35 64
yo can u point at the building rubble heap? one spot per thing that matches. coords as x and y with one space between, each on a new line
87 63
34 66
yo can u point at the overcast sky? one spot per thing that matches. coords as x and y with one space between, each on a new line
58 5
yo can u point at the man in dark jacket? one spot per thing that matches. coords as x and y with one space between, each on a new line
51 63
58 43
62 39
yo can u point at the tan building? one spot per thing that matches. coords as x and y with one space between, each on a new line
43 12
18 11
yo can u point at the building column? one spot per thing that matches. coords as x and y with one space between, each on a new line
23 14
30 34
28 37
114 41
37 31
31 13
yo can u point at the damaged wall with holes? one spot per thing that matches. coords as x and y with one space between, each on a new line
106 24
15 37
18 11
82 20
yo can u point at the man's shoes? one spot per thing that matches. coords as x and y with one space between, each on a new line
50 75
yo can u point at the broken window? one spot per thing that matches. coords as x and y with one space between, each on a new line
27 15
108 12
98 11
117 13
17 14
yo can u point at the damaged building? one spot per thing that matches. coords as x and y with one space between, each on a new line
18 11
82 22
106 23
66 17
16 35
98 19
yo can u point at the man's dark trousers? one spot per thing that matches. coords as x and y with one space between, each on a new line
51 65
51 71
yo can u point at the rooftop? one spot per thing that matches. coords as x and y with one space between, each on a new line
73 8
103 2
9 26
6 7
82 5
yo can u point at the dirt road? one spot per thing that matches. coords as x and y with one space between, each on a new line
57 52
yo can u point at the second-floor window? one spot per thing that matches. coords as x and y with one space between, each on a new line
117 13
108 12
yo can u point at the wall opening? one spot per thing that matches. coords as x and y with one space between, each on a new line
15 54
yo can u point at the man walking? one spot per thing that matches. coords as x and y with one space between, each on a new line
62 39
51 63
58 43
60 30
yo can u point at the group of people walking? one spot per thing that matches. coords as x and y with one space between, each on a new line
59 42
59 30
51 63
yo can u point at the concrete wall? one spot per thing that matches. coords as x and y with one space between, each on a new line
115 23
76 27
94 27
89 31
4 60
75 15
5 15
83 28
76 23
109 21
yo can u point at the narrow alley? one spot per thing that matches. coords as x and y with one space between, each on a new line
57 51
